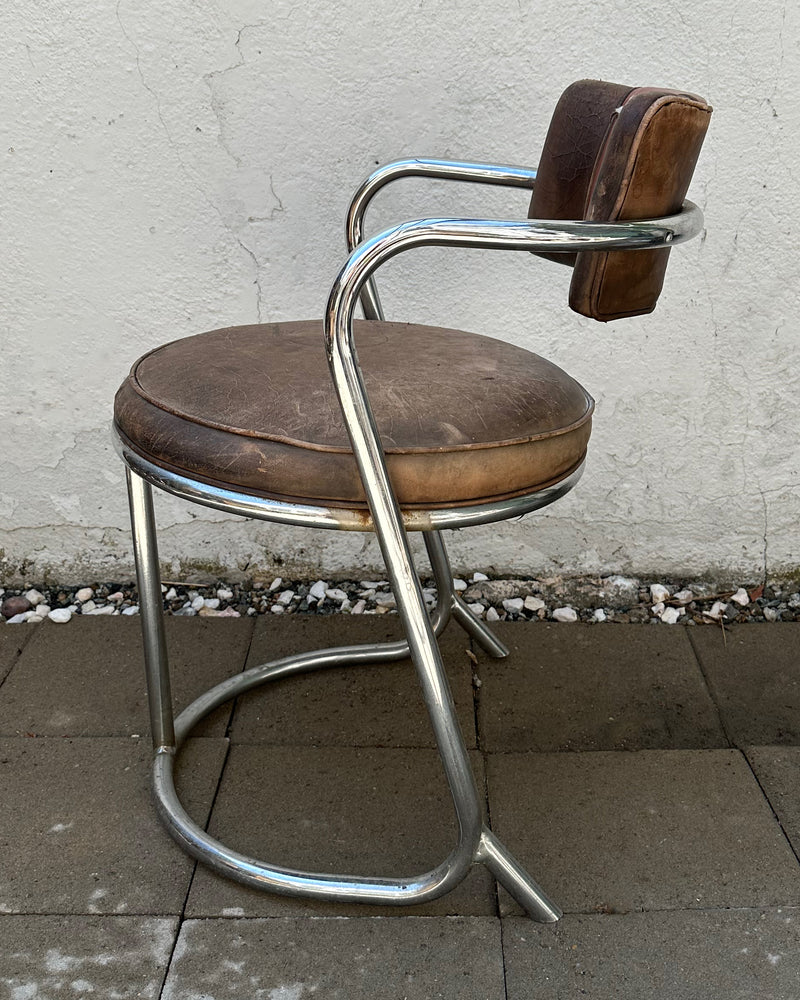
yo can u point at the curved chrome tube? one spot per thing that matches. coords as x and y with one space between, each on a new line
276 878
535 234
548 235
454 170
387 517
290 881
342 518
545 235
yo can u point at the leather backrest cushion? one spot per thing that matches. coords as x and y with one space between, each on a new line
640 168
571 147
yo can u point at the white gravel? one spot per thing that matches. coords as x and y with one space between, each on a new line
532 603
565 615
608 599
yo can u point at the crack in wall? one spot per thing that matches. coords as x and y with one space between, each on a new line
184 168
764 494
148 88
279 207
278 210
781 59
766 524
208 79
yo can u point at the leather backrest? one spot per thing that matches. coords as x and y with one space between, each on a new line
614 152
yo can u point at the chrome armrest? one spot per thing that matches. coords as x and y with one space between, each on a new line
454 170
548 235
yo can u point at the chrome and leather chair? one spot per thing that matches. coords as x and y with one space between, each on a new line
422 429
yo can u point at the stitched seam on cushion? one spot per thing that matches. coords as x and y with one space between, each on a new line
601 152
349 504
309 446
624 187
630 166
140 391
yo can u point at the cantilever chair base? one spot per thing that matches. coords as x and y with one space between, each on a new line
233 435
477 844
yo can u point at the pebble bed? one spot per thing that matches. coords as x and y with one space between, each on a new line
603 599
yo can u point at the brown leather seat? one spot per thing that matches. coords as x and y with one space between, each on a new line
464 419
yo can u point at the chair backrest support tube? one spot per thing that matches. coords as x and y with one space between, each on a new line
454 170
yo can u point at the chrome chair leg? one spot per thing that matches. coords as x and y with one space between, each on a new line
478 630
425 653
148 578
497 858
476 843
509 873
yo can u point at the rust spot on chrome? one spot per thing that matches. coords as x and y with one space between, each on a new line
361 520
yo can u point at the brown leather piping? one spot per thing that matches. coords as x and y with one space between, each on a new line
339 503
312 446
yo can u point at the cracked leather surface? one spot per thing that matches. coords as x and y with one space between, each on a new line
463 418
614 152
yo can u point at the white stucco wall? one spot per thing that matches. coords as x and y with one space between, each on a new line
173 167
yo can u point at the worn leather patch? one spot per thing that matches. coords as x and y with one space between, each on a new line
614 152
463 418
569 155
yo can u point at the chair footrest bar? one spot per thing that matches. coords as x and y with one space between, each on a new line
343 888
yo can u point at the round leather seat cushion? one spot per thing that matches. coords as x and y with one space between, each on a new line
463 419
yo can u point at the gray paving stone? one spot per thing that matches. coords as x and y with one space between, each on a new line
657 829
778 771
588 687
347 706
79 832
356 811
12 641
754 676
413 958
679 955
86 678
61 958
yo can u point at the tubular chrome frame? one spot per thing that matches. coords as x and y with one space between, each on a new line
341 518
453 170
476 843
